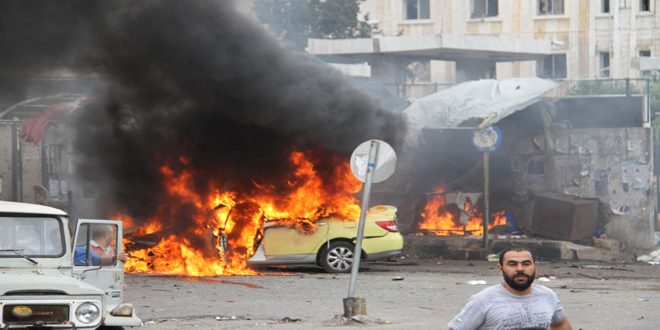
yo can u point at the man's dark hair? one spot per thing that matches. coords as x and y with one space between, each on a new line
516 248
99 231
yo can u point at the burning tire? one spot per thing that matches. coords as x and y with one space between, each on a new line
338 257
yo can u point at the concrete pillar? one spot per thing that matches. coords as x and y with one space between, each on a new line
355 306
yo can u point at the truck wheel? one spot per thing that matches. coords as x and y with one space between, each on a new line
338 257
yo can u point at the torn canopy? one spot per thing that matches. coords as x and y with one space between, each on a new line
473 104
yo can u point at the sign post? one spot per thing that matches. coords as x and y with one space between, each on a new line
366 194
487 140
486 219
372 161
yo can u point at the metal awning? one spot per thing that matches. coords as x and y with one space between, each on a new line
437 47
33 107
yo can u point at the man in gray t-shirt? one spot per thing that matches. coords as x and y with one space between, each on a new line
514 304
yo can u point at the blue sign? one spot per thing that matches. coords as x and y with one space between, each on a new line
487 139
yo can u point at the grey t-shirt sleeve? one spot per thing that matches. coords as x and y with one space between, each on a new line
471 317
558 315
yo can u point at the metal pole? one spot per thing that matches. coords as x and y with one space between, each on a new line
486 201
16 165
649 114
657 203
371 167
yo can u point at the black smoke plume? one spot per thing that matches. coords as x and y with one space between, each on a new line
191 79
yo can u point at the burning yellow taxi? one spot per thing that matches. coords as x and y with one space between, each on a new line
331 242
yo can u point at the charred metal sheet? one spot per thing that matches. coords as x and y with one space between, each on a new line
564 217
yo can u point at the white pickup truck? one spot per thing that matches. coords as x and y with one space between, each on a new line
46 281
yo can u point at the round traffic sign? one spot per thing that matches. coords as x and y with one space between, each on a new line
487 139
383 164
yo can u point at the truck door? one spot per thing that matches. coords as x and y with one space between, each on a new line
96 247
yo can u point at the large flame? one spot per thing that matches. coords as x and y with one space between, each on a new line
220 235
439 219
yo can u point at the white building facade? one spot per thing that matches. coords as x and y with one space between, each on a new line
449 41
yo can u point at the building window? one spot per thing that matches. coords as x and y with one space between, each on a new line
551 7
55 171
604 64
644 5
553 66
417 9
605 6
645 53
55 162
483 8
417 72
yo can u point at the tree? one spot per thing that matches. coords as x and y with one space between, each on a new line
295 21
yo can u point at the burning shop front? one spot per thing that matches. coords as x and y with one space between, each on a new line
568 168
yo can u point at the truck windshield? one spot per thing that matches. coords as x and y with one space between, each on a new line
31 236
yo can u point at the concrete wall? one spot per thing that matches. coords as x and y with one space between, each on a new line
613 165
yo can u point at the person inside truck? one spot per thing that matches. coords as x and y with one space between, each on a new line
101 249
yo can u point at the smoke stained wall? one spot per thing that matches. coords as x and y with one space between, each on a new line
186 83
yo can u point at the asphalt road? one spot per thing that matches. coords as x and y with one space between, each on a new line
420 294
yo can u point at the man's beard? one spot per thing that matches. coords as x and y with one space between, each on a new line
517 285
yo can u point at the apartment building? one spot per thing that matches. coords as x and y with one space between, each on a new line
448 41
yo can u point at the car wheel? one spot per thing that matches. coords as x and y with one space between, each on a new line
338 257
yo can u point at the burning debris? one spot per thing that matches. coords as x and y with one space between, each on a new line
200 127
456 214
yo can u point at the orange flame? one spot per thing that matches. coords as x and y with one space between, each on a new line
221 234
443 222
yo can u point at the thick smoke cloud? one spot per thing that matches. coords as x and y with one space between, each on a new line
191 79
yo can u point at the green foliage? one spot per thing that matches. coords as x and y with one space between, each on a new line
294 21
655 96
598 87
